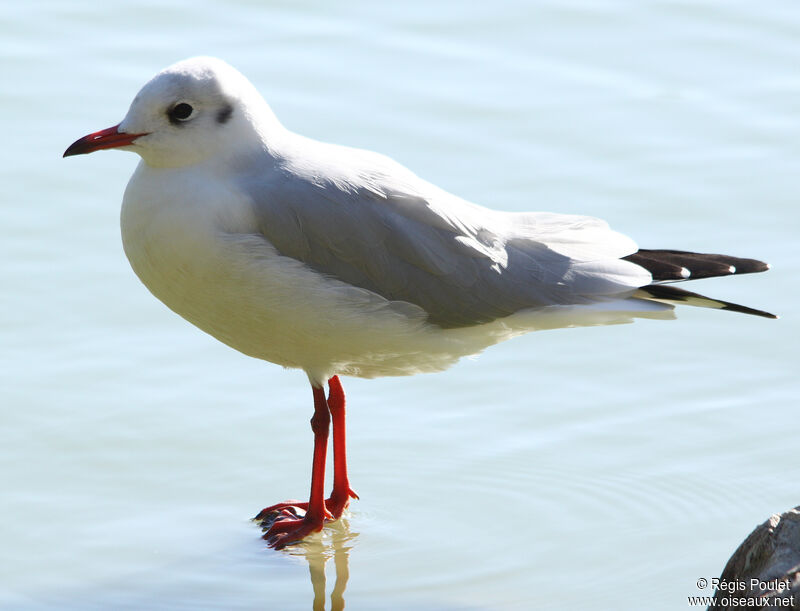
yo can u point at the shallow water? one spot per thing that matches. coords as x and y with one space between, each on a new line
606 467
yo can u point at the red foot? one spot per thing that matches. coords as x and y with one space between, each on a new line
286 530
286 508
337 503
334 507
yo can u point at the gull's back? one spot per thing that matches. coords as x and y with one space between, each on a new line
368 221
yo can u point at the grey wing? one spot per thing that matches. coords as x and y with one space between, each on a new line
406 240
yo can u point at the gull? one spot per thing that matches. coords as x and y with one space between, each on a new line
342 262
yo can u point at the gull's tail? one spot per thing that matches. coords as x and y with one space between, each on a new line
677 265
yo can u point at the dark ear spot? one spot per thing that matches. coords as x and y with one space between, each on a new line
224 114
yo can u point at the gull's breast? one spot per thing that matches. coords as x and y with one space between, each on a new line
194 244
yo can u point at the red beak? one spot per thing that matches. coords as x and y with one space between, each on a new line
104 139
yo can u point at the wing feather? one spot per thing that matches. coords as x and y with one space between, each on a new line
371 223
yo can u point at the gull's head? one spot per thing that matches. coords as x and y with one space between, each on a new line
189 112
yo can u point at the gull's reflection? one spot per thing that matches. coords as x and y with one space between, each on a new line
335 542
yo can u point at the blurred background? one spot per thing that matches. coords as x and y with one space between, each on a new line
606 468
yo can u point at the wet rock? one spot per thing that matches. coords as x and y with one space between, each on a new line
764 572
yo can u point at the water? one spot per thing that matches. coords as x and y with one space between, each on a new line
605 468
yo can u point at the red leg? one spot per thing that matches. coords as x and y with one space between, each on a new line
285 529
282 518
341 493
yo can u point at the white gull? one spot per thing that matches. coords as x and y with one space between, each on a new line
340 261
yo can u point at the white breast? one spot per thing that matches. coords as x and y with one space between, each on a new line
222 276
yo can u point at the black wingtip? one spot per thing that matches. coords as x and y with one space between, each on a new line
735 307
673 294
668 265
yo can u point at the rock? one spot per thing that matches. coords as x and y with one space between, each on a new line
764 572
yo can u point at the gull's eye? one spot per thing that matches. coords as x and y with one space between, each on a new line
180 112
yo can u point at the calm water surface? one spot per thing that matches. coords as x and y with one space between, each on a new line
605 468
